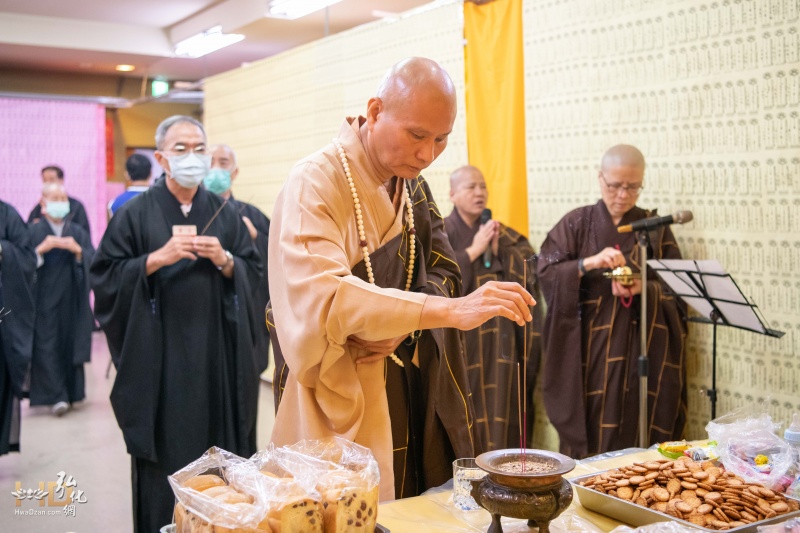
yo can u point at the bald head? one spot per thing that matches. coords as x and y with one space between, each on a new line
468 193
465 173
222 156
417 76
54 192
622 155
621 179
409 119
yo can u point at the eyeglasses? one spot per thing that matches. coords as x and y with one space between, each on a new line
180 149
615 188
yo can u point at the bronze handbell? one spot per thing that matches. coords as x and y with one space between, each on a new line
622 275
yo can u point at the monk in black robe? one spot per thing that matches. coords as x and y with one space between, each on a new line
496 347
17 265
224 171
175 309
77 213
364 291
63 334
591 336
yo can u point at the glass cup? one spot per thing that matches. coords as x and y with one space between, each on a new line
464 471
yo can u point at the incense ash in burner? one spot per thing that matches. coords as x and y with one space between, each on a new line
529 466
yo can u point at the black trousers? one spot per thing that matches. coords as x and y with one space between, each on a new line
153 499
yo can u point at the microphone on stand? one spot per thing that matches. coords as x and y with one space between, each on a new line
681 217
486 216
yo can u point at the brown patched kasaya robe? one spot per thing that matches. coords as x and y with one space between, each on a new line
591 341
495 348
416 420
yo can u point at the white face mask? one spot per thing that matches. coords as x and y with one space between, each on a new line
188 170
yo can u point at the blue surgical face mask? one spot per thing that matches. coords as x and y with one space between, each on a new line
188 170
218 180
57 210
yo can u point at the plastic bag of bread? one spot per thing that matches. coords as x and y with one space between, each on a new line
344 475
291 508
219 493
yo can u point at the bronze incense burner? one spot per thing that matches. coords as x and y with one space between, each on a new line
538 493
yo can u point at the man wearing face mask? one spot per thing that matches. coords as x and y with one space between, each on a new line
224 170
77 213
173 279
62 339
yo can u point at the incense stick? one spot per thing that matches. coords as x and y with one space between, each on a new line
244 204
519 415
214 217
525 369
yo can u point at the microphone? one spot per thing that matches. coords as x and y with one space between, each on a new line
486 216
681 217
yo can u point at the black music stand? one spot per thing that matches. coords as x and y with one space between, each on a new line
712 292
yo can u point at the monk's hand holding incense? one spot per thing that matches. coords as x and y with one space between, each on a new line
495 298
177 248
376 350
209 247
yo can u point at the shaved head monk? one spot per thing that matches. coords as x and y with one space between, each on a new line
591 333
365 291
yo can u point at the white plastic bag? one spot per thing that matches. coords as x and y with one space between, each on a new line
746 433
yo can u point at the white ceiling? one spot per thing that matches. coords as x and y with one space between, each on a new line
93 36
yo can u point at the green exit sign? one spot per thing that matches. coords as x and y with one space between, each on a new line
159 88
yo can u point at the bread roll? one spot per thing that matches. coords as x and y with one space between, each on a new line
204 482
228 494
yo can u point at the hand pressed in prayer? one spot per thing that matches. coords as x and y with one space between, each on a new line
71 245
617 289
608 258
209 247
486 236
250 227
376 350
49 242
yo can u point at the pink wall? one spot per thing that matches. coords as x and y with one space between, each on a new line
37 133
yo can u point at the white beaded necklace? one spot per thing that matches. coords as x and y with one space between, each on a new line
362 236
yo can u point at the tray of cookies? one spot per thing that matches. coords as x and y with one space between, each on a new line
702 495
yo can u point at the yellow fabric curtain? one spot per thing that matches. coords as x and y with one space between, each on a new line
495 87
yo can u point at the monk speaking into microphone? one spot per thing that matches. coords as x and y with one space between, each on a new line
366 290
591 333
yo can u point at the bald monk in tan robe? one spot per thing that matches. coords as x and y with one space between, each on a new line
337 330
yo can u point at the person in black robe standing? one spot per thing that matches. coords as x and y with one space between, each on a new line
77 213
17 264
173 279
62 340
224 170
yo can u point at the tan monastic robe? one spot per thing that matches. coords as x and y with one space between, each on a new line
318 303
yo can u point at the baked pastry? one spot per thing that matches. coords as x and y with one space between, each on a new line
203 482
299 516
350 510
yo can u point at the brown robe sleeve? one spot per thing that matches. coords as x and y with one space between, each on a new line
562 383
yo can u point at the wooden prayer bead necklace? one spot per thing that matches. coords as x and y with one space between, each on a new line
362 236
